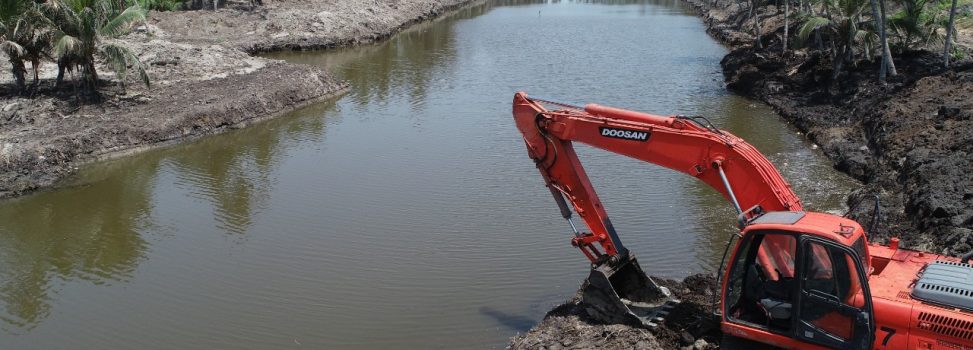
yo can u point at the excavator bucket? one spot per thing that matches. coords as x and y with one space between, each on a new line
623 293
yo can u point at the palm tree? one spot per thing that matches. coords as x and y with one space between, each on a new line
888 65
842 23
949 34
755 16
82 27
24 36
879 19
913 24
787 23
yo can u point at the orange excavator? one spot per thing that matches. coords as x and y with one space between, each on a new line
795 279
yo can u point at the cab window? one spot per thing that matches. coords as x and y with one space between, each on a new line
762 283
831 291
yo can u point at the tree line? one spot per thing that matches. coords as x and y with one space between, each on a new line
851 29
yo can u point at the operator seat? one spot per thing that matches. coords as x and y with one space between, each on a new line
771 297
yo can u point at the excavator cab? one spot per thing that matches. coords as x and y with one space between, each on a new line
789 283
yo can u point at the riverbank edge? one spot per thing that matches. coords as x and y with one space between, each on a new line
113 130
869 131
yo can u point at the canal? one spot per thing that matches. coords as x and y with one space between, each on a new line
403 214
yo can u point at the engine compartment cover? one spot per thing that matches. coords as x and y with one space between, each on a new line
946 283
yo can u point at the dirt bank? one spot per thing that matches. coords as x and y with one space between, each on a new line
689 326
910 141
205 80
300 24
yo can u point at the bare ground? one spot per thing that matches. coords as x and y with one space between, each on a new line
205 80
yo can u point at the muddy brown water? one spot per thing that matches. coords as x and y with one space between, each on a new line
404 214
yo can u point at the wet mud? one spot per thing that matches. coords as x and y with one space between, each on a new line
690 325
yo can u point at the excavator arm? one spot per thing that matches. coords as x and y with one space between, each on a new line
728 164
617 290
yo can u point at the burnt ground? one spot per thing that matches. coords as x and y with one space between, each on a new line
909 141
689 326
205 80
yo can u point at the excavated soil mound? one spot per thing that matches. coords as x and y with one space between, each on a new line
690 325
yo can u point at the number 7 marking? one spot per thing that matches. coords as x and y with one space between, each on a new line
890 331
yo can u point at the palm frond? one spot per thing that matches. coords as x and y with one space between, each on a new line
12 49
120 57
812 23
117 26
865 36
66 46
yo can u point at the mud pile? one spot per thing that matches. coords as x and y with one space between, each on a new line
910 141
204 80
690 325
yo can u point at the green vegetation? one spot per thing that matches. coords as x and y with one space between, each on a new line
74 33
71 33
841 20
917 24
24 36
849 30
161 5
81 28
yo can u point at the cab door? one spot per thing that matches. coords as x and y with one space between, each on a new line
835 305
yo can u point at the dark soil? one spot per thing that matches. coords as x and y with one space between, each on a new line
909 141
690 325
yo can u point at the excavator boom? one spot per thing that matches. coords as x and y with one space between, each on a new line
728 164
618 290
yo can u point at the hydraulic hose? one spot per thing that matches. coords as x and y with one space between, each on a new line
966 257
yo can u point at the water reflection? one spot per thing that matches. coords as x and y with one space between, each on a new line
235 172
95 231
89 232
411 58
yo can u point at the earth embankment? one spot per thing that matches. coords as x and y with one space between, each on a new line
205 80
910 141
